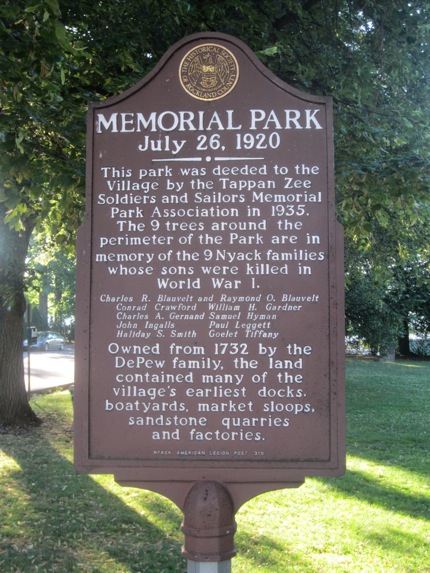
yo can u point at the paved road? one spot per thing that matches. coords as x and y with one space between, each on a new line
50 369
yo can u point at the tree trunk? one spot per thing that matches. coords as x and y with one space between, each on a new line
404 347
43 307
15 409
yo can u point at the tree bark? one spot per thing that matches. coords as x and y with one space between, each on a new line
43 308
15 409
404 347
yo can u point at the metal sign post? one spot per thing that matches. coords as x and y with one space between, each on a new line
214 567
209 527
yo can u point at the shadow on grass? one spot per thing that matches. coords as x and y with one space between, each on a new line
55 520
387 426
267 555
358 485
395 541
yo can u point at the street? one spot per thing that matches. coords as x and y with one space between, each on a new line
49 369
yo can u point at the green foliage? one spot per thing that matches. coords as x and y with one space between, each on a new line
388 283
371 315
41 160
373 58
51 281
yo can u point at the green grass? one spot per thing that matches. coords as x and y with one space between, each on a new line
374 519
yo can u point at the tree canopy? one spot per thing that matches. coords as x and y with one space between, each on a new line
371 57
57 55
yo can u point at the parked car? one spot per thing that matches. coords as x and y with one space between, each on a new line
46 340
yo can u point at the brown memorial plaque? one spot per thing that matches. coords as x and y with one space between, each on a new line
210 278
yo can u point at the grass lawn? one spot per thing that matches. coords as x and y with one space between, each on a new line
375 519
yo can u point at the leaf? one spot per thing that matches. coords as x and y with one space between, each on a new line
269 51
18 141
60 33
53 4
382 217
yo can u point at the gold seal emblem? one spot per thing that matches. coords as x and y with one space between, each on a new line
208 72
